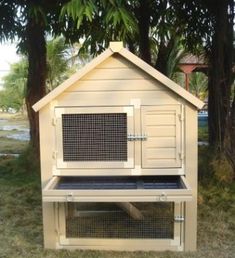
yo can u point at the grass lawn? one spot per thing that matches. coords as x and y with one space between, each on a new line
8 145
21 220
13 125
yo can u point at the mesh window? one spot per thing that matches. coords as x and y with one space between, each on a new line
109 220
94 137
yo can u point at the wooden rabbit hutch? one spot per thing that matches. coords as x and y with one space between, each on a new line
119 158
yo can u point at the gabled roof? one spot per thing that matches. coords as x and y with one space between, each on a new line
117 47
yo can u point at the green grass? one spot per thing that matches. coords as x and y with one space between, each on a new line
8 145
203 133
21 220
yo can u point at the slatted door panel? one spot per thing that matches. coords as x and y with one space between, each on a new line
163 147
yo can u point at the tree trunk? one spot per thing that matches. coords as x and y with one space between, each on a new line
229 143
36 81
143 14
161 63
220 76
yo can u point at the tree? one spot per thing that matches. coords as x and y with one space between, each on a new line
14 86
29 21
199 84
14 83
57 62
146 27
210 24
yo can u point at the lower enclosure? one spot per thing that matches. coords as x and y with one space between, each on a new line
120 226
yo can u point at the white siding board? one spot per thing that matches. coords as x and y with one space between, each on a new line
161 131
115 74
161 142
119 98
117 85
160 119
160 153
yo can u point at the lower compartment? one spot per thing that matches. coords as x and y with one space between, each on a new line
120 226
110 220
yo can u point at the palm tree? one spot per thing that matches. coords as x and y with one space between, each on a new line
28 21
57 62
199 85
14 85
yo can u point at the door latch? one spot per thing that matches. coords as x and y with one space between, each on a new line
179 218
69 197
163 197
137 137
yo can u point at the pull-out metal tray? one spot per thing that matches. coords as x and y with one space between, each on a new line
117 189
124 183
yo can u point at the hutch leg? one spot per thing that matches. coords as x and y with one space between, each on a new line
49 225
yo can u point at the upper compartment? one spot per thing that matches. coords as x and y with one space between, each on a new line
123 137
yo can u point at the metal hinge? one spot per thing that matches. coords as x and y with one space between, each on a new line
54 154
54 120
181 155
179 218
181 117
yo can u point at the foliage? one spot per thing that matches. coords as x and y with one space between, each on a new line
57 62
14 85
199 84
209 25
222 169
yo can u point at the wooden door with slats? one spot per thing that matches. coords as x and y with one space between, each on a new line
163 127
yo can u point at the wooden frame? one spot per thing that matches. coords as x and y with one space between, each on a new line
51 194
175 244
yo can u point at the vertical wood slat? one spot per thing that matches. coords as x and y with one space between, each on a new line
191 176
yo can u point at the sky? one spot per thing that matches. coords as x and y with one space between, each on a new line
7 56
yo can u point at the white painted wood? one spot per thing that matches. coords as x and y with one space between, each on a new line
191 125
115 74
117 244
144 72
161 142
165 154
119 98
119 172
116 46
116 61
46 143
161 151
117 85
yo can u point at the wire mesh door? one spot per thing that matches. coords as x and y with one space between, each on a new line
94 137
112 220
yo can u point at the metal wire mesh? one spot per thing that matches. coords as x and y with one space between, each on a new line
94 137
108 220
